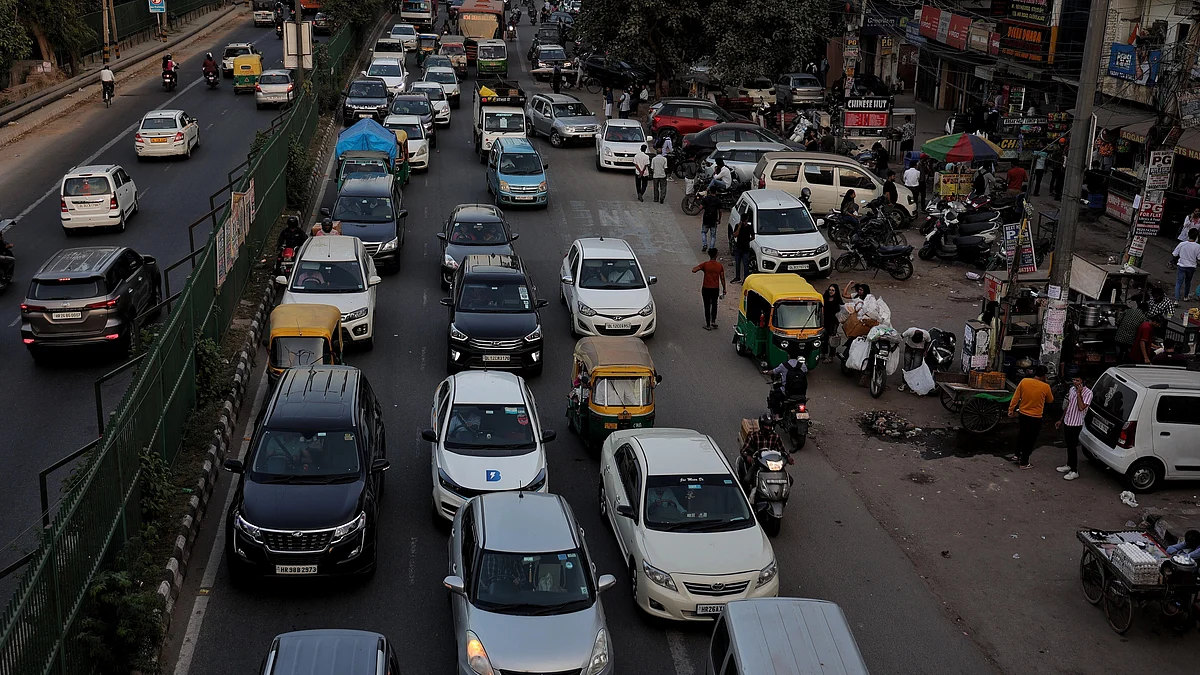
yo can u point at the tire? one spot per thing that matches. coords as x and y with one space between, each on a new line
136 207
897 218
739 346
534 371
187 152
599 166
925 253
799 444
1091 577
878 381
847 370
1144 475
239 576
1118 606
592 85
121 225
556 140
368 344
690 205
898 239
902 269
197 144
603 501
846 262
771 525
633 578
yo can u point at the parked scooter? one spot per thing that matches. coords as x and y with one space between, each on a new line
941 243
940 355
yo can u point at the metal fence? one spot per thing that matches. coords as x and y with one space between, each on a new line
39 629
133 17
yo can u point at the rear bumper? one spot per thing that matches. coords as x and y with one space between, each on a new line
66 340
107 219
167 149
1117 459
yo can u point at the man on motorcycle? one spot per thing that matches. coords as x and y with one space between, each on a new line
793 383
210 64
722 177
8 262
292 236
757 441
326 228
168 66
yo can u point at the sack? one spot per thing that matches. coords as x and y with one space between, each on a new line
919 379
857 355
874 308
855 327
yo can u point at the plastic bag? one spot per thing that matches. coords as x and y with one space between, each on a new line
687 185
874 308
919 380
857 355
843 313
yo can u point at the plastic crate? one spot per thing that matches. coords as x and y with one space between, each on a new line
986 380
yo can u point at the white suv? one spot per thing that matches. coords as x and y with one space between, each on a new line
605 290
337 270
683 524
1144 423
785 237
96 196
485 437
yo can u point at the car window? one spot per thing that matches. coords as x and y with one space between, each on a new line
551 52
818 174
82 187
469 540
306 454
70 289
411 106
495 296
1178 410
494 121
434 93
388 47
160 123
236 51
131 261
707 114
571 110
1113 397
490 430
328 277
367 90
384 70
787 171
463 232
611 274
621 391
680 111
797 315
746 156
415 132
277 78
520 164
573 260
624 461
853 178
721 136
124 176
454 49
708 502
751 136
493 51
730 667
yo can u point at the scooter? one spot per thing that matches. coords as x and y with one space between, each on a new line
212 80
793 418
875 366
770 488
940 243
285 261
169 80
940 355
279 31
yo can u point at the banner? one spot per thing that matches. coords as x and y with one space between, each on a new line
1126 63
1028 43
1017 234
953 184
1150 214
233 231
959 29
1030 11
1158 171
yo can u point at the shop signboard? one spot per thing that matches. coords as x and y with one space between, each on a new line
1030 11
1150 214
1158 171
866 120
1019 232
931 18
1125 62
953 184
1025 42
850 50
1118 207
958 29
886 44
912 31
1189 109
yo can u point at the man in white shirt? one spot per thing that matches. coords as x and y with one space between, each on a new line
912 181
641 172
667 149
658 168
722 177
108 81
1187 252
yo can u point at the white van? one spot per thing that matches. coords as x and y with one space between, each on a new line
1144 423
783 636
99 195
827 176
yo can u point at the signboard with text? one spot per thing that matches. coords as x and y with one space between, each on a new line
1025 42
1030 11
1149 216
1127 62
1158 171
1119 207
875 120
960 28
158 6
953 184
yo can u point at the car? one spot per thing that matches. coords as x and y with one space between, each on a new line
785 237
605 289
405 33
93 295
275 87
828 177
683 524
759 89
307 496
445 76
473 229
96 195
1142 423
564 19
561 118
681 116
524 590
485 436
419 105
326 651
437 98
618 141
388 48
163 133
232 51
322 24
365 97
699 144
391 71
338 271
806 88
618 74
516 174
418 142
438 61
741 158
494 321
545 57
370 207
545 34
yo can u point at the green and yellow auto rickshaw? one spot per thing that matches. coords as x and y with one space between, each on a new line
613 381
779 317
303 335
402 170
246 69
362 164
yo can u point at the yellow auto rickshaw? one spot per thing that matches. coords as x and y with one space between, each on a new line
246 69
402 170
780 316
613 381
303 335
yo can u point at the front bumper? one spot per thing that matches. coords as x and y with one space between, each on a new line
522 198
447 502
421 162
587 137
525 357
358 329
681 605
442 117
352 115
168 149
805 265
600 324
615 161
352 555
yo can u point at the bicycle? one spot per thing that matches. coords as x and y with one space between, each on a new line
592 84
106 92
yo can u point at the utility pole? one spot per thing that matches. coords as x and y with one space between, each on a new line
1076 165
104 19
116 36
299 50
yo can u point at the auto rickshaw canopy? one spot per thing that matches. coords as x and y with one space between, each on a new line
776 287
606 355
428 42
247 64
305 320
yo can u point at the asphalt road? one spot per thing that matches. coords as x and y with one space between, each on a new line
830 546
49 408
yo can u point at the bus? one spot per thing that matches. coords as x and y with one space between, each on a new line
480 20
420 13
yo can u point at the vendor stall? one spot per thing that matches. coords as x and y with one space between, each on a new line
1098 295
1128 569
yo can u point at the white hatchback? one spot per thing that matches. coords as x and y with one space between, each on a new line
485 437
96 196
605 289
406 33
337 270
418 142
618 141
391 71
166 133
437 98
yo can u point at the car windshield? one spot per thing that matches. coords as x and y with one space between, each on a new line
159 123
305 455
624 134
621 391
805 81
784 221
363 209
388 47
707 502
292 351
69 289
492 52
520 164
416 6
477 233
274 79
489 430
454 49
384 70
367 90
571 110
415 131
83 187
363 169
441 77
438 61
231 52
1114 398
328 277
434 93
795 315
552 53
493 121
534 583
404 30
611 275
495 296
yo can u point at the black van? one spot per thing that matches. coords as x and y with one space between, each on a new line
308 497
370 208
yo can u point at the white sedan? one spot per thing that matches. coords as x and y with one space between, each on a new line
618 141
605 290
418 142
164 133
447 78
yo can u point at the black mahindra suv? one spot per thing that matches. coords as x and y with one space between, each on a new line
494 320
365 97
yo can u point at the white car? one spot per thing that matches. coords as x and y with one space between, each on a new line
605 289
164 133
406 33
337 270
232 51
275 87
448 79
96 196
437 98
786 238
418 142
683 524
485 436
618 141
391 71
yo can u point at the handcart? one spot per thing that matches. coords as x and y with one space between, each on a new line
979 409
1167 583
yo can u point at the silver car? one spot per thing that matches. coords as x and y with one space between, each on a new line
740 157
806 88
561 118
275 87
524 592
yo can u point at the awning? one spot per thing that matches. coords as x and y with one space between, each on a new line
1189 144
1137 131
1115 116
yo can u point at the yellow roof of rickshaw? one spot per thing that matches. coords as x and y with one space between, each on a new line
611 352
308 320
246 59
401 135
776 287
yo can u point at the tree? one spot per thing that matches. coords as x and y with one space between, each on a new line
753 38
14 40
57 26
667 35
356 13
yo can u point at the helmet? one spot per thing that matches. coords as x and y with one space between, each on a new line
805 193
292 221
208 55
168 57
766 422
327 224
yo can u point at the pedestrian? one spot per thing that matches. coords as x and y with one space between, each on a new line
889 189
667 149
1016 178
1039 168
812 142
1078 399
556 78
881 159
831 306
908 134
641 172
1142 351
1028 405
1186 254
743 234
914 181
1189 221
638 95
624 105
1057 170
713 287
608 102
711 204
824 72
1170 357
828 142
1127 327
658 170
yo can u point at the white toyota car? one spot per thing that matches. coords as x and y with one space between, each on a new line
605 290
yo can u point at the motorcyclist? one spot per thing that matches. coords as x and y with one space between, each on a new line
293 235
210 64
326 228
722 177
764 438
793 383
168 66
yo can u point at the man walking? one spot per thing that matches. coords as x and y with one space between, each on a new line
658 169
1187 252
1016 179
1078 400
914 182
623 112
711 204
1039 169
713 287
667 149
743 234
641 171
908 133
1028 404
556 78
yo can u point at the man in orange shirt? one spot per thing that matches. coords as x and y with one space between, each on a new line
1028 405
714 281
1016 178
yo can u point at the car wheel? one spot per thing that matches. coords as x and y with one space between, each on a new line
136 207
239 576
562 296
257 105
1144 475
121 225
603 501
534 371
187 152
555 139
633 581
197 143
599 166
368 344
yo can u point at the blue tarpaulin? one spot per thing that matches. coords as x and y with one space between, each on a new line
367 134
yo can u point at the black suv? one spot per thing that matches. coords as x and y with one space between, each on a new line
473 229
308 498
91 295
369 208
547 34
494 320
365 97
330 650
419 105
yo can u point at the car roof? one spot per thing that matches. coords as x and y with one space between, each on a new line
332 249
477 212
487 387
516 144
525 522
327 650
91 169
793 636
277 71
369 78
373 185
492 263
773 199
315 396
490 41
689 100
402 119
440 69
559 98
678 451
161 113
386 59
720 126
1160 377
747 145
815 156
599 247
78 263
618 122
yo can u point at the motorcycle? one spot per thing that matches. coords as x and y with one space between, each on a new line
212 80
684 166
875 366
279 31
511 33
865 255
793 418
940 355
941 243
285 261
769 491
169 80
691 201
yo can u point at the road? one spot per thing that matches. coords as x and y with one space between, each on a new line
50 407
830 546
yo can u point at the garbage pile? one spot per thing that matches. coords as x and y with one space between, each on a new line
888 424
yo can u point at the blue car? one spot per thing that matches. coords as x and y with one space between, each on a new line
516 174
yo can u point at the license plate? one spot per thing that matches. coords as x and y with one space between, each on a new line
295 569
623 325
709 609
363 116
523 199
1102 426
158 140
495 357
587 135
58 316
797 267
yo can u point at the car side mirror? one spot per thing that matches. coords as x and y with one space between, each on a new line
820 222
429 435
657 378
364 73
403 214
325 211
652 280
605 582
149 260
373 280
514 236
546 165
455 584
567 279
441 235
542 302
234 466
281 280
380 465
449 302
625 510
549 435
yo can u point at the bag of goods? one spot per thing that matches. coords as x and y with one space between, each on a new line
919 379
855 327
857 356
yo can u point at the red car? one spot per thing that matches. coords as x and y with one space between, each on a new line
681 116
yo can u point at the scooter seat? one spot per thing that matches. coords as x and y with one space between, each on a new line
978 216
890 251
969 229
969 242
1001 201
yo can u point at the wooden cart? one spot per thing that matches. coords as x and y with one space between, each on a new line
979 410
1103 581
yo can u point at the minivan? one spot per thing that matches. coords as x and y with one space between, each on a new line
1144 423
827 176
100 195
516 174
783 636
370 208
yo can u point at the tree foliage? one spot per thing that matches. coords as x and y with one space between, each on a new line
753 38
667 35
14 39
58 27
357 13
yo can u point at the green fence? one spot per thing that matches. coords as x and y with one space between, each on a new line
133 17
39 629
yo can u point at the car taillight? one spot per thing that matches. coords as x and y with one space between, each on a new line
178 136
32 308
112 202
762 182
258 87
62 205
138 138
106 304
1128 432
290 87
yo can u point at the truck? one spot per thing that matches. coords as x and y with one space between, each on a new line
420 13
480 20
264 12
499 110
310 6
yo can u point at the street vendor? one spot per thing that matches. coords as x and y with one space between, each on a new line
1189 546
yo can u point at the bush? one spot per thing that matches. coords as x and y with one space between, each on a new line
123 629
208 371
299 172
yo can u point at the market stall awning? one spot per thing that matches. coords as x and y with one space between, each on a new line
1137 131
1189 144
1113 116
961 148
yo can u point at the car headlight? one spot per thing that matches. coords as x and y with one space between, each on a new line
569 130
543 64
607 151
542 186
538 482
390 245
448 483
342 531
598 661
456 334
356 314
766 574
504 185
660 577
586 311
423 150
535 335
767 250
477 657
648 309
910 199
244 525
821 249
449 261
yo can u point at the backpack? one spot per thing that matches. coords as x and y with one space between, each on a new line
797 381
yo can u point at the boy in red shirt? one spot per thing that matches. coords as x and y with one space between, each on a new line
714 281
